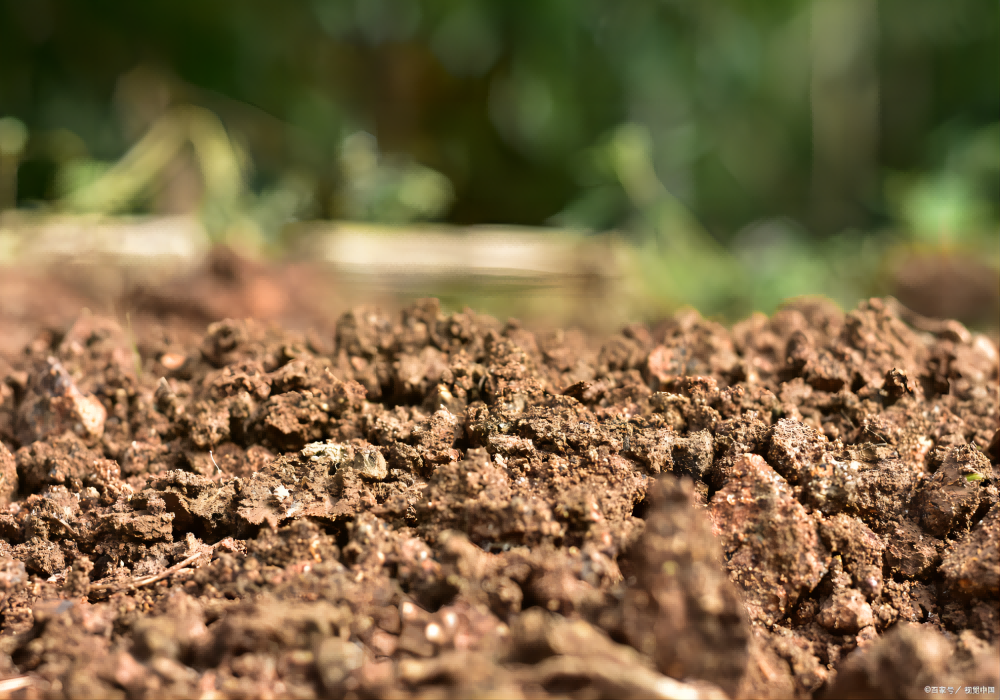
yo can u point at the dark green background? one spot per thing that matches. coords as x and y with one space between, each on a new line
707 78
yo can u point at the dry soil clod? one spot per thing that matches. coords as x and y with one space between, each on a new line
443 505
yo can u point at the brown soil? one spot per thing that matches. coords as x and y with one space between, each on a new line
430 505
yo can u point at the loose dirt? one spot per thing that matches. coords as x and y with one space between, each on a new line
431 505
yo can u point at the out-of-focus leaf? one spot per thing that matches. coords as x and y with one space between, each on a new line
389 190
13 136
467 41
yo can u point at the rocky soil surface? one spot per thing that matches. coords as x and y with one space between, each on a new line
430 505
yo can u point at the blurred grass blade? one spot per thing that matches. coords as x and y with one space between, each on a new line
137 171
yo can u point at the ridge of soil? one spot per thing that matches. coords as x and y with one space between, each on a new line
431 505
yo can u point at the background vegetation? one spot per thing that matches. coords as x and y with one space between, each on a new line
752 150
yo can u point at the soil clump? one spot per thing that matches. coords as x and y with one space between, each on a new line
446 505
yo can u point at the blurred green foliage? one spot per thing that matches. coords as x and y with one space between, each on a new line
745 145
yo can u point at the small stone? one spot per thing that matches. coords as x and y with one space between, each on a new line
56 405
370 464
172 360
845 611
319 451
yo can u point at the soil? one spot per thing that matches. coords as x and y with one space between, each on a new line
430 505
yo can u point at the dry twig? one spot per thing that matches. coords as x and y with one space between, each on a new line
146 580
10 685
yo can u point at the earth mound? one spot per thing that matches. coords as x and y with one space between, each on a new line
432 505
